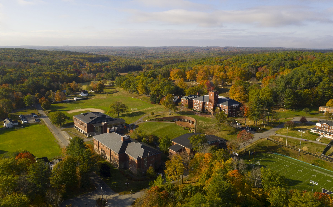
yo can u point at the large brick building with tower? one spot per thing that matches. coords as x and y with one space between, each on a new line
125 153
208 103
93 123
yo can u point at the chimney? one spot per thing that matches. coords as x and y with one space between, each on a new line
125 138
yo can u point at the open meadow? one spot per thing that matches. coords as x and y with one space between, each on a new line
35 138
161 129
298 173
137 105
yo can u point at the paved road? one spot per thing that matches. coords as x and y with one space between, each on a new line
300 139
57 133
272 132
113 199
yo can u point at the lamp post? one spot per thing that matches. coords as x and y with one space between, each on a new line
102 193
287 137
300 141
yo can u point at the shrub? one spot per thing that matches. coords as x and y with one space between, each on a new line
289 124
303 120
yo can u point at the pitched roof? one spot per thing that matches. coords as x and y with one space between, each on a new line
139 150
204 98
95 117
227 102
175 147
130 147
112 141
184 140
330 123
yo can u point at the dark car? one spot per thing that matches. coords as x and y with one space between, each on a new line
37 120
34 115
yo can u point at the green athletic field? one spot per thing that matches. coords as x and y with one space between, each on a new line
299 174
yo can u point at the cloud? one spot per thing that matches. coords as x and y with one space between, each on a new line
264 16
29 2
179 4
177 16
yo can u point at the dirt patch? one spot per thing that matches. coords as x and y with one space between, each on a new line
86 109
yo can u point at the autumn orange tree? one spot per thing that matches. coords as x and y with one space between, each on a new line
244 136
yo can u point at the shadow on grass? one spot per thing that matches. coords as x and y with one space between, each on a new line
56 108
291 182
186 113
137 113
2 152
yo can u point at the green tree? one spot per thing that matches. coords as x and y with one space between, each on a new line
220 192
151 172
15 199
39 178
198 141
78 150
289 99
58 118
45 104
220 116
99 88
270 179
117 108
64 177
165 143
168 103
29 100
8 185
278 197
303 199
174 167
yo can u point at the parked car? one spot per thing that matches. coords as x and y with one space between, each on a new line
37 120
24 121
34 115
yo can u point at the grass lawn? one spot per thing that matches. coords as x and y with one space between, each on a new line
310 147
263 146
285 113
161 129
295 133
298 173
137 105
36 138
208 125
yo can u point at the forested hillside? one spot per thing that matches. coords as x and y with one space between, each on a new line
262 81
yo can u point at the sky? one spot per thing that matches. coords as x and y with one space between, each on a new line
243 23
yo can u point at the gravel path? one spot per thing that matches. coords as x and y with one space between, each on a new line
86 109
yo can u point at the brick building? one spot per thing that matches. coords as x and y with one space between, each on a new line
326 109
182 143
125 153
324 128
93 123
208 103
188 101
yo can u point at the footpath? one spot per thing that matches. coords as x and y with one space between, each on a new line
57 133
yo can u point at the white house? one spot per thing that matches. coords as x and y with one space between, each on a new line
84 93
8 123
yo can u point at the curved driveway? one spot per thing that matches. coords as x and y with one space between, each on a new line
57 133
